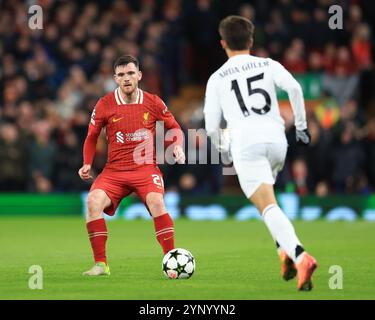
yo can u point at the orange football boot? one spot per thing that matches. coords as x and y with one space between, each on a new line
305 269
288 268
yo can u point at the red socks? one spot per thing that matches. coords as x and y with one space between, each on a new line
165 231
97 231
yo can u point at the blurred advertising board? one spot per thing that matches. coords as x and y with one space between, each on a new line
308 208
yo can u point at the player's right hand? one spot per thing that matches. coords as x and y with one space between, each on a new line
84 172
303 137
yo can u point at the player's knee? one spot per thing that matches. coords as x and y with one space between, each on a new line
156 205
94 205
263 197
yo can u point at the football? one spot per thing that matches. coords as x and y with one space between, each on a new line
178 264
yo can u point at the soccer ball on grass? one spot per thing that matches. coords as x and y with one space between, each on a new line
178 264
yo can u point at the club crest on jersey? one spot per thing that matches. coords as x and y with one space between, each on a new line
145 118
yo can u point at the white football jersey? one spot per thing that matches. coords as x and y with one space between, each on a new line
243 91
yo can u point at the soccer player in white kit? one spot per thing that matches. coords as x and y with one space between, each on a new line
243 92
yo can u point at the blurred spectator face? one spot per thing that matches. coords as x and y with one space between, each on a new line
343 62
77 76
320 15
93 47
23 45
149 63
127 77
204 5
247 11
330 50
65 15
40 56
299 169
343 54
315 61
321 189
10 94
78 34
299 16
172 10
362 32
9 133
105 69
25 117
8 65
262 52
26 111
42 131
188 182
20 85
298 46
76 54
90 11
355 14
51 33
81 117
70 140
293 61
66 45
108 54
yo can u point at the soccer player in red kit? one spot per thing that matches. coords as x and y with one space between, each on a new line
129 116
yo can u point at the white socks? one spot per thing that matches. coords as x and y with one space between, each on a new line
282 231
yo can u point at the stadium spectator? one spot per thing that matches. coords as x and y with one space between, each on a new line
13 159
42 157
347 161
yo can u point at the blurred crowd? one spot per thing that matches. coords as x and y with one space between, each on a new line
50 79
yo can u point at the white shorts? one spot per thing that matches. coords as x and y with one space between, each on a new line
257 164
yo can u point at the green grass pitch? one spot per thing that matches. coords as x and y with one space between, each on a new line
235 260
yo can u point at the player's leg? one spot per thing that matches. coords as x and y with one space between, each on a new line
163 223
257 168
262 198
105 195
97 201
283 232
149 186
277 222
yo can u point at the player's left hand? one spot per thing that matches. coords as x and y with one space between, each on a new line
303 137
179 154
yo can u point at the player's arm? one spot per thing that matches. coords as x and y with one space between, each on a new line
96 124
163 114
284 80
213 115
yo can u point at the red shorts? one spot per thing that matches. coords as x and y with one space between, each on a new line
118 184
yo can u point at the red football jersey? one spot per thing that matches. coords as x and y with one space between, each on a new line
130 129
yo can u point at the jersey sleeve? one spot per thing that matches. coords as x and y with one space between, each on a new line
213 112
163 114
284 80
212 109
97 122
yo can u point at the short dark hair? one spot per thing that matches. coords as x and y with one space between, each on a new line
237 31
125 60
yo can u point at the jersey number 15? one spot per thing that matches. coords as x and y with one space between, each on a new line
263 92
